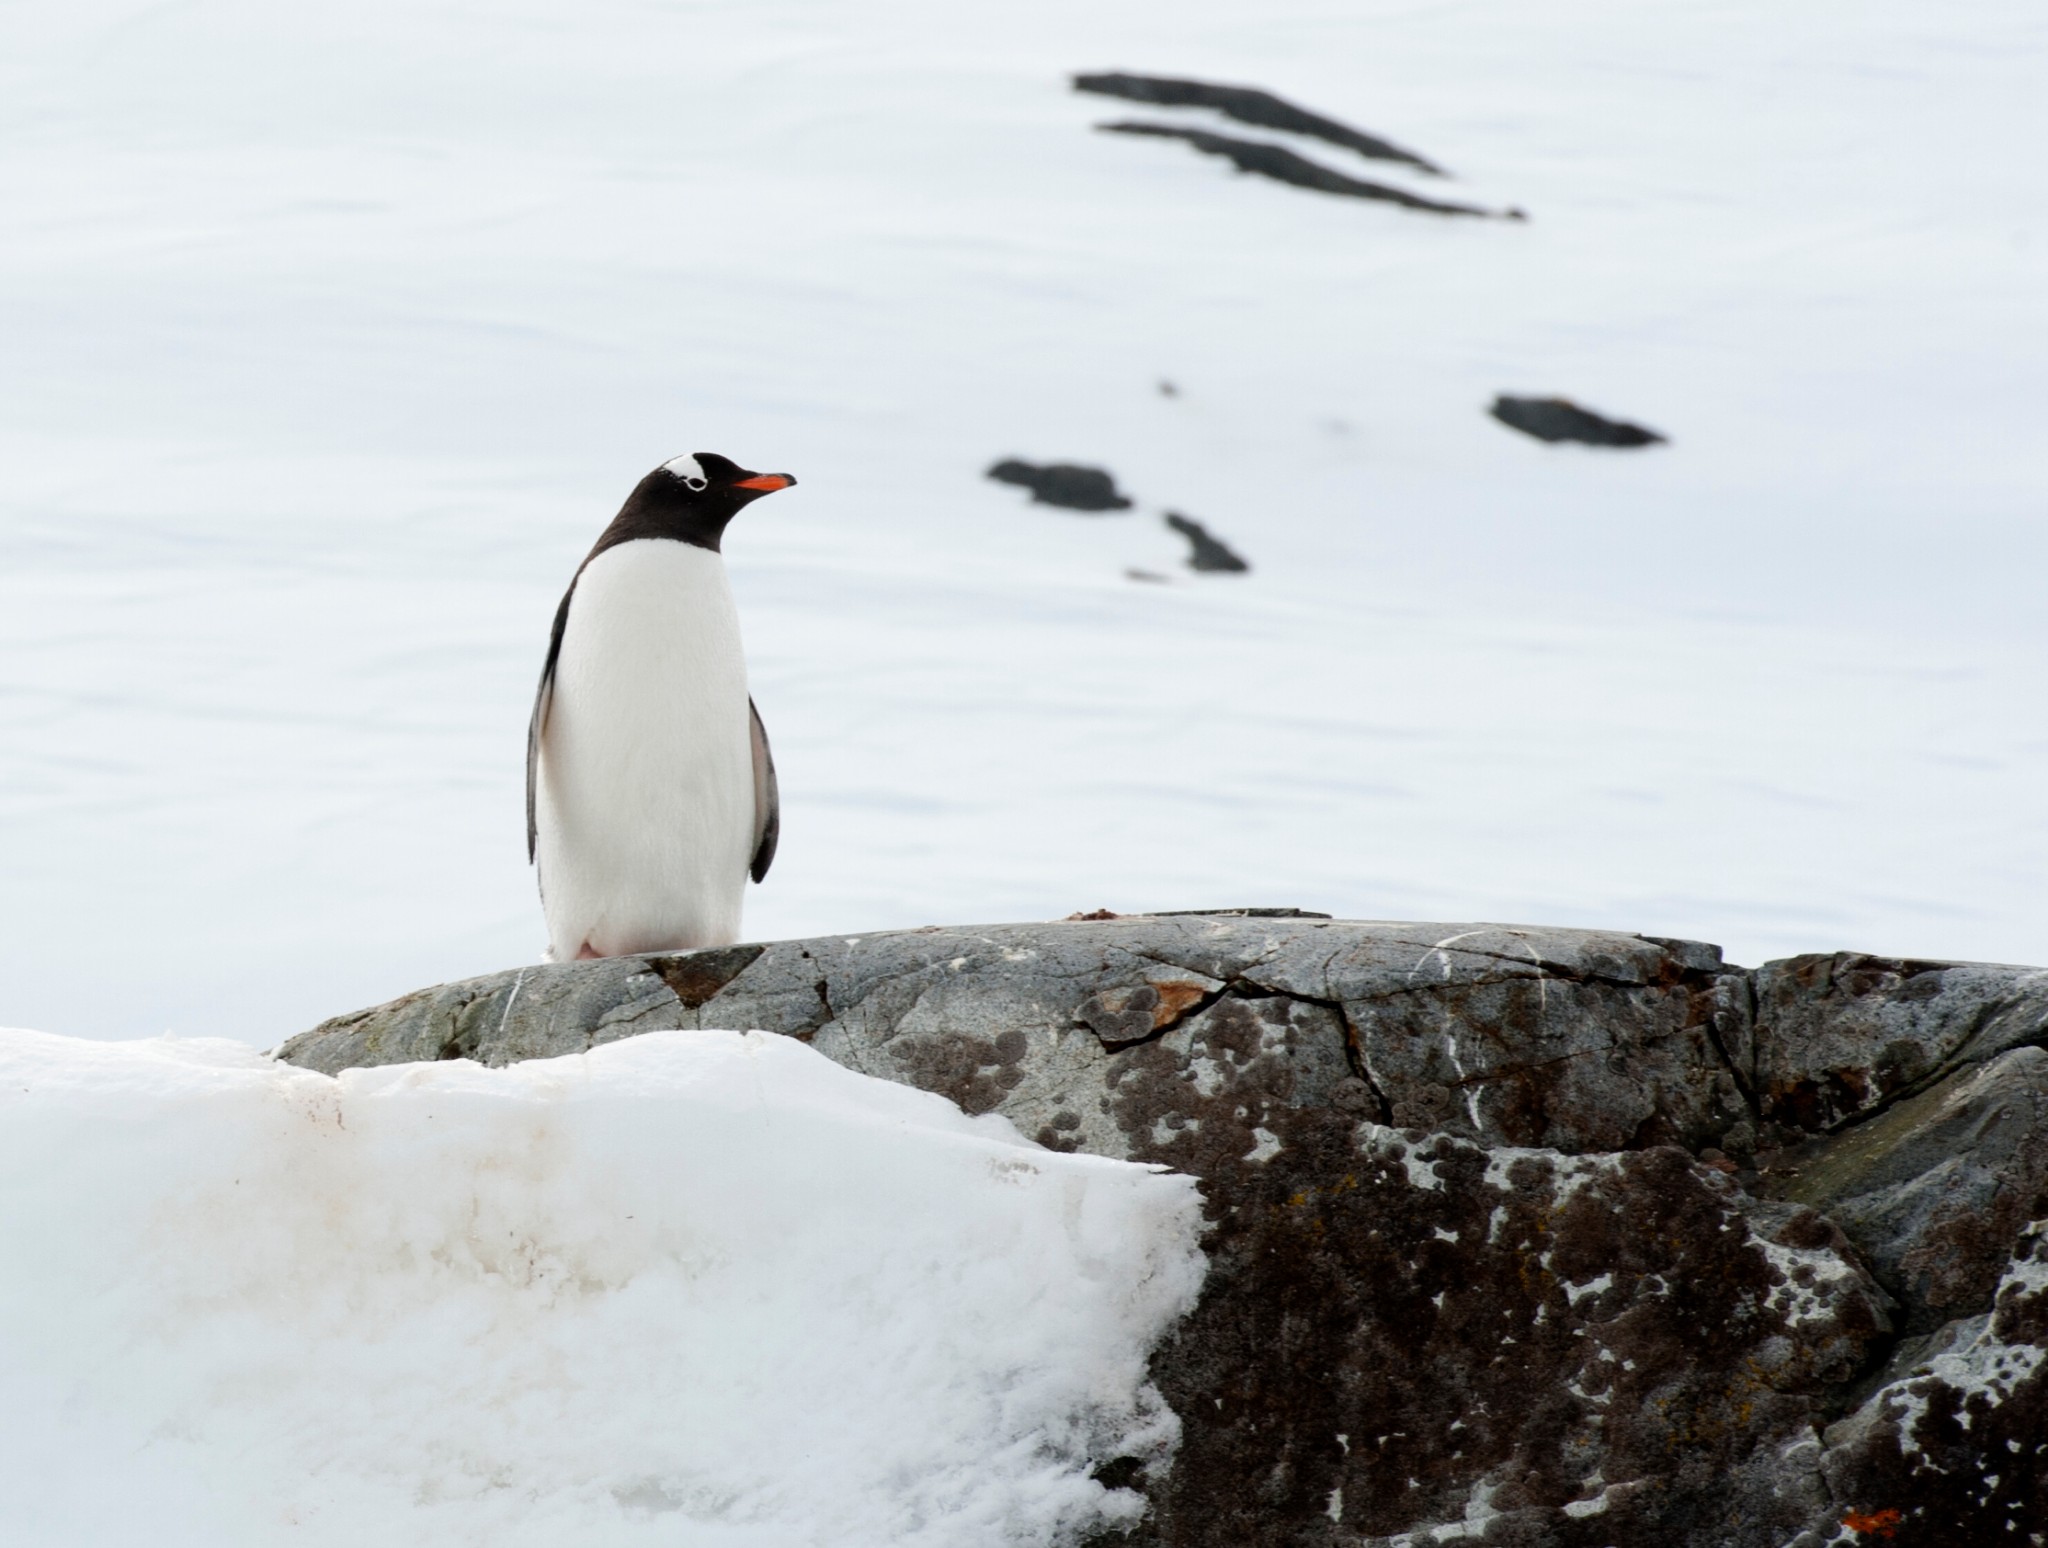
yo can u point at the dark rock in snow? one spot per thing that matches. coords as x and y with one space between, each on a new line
1285 166
1560 419
1209 553
1065 484
1483 1264
1249 105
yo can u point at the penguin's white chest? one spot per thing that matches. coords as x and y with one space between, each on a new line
645 799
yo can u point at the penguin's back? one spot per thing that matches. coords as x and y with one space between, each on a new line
645 798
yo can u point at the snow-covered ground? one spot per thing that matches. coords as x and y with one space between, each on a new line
704 1288
334 334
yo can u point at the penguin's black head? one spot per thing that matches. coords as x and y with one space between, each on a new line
690 499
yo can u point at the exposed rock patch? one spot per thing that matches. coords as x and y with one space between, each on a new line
1560 419
1282 165
1208 552
1249 105
1067 485
1518 1236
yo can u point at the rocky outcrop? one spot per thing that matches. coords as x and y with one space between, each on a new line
1560 419
1518 1236
1264 159
1207 551
1067 485
1249 105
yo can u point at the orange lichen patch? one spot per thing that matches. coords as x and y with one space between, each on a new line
1093 914
1173 999
1873 1523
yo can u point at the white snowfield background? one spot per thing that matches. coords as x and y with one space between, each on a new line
701 1288
333 336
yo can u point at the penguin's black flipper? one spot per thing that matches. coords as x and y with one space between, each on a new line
543 696
767 797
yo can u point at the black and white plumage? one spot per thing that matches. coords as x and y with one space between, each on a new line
650 790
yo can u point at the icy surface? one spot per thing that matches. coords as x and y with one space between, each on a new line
335 335
702 1288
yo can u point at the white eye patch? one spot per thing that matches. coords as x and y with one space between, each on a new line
688 470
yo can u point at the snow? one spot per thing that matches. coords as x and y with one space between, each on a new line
1593 1507
335 337
693 1287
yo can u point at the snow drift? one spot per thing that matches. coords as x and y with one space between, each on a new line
700 1287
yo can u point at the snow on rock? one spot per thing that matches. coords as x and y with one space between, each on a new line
1610 1291
697 1286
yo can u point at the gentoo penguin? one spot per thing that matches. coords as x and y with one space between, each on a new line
650 792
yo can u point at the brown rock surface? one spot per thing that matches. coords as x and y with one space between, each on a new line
1954 1450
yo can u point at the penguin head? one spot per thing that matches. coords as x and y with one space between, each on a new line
711 477
690 499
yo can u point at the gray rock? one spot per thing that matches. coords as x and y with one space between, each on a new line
1282 165
1935 1190
1249 105
1065 484
1845 1033
1483 1264
1560 419
1573 1039
1207 551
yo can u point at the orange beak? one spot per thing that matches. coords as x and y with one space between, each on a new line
767 483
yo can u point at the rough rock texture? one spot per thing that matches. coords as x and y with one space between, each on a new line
1954 1451
1518 1236
1065 484
1848 1033
1935 1190
1286 166
1249 105
1560 419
